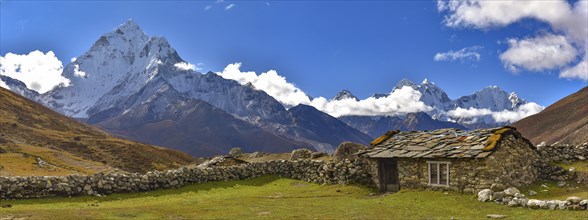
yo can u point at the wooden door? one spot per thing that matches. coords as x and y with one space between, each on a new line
389 176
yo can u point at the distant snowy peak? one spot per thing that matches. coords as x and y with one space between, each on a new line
405 82
492 98
431 94
345 94
124 55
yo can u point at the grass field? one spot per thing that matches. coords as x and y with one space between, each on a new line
272 197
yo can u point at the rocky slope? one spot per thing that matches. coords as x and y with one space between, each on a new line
565 121
30 130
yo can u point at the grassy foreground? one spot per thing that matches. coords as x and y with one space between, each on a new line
272 197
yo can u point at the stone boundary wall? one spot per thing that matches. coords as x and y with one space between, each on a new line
315 171
563 153
514 198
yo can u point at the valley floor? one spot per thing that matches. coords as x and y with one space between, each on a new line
272 197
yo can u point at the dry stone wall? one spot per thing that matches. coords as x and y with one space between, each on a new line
343 172
563 153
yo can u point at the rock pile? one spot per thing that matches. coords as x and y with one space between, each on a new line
343 172
513 198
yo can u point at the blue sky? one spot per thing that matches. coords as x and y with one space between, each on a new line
322 47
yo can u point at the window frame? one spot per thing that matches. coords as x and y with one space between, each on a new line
438 164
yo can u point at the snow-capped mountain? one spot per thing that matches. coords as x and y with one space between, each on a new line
345 94
492 98
130 83
444 111
112 57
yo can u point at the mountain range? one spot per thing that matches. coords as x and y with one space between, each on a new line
137 86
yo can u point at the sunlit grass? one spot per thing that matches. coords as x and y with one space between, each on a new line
273 197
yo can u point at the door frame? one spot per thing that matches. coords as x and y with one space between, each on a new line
384 166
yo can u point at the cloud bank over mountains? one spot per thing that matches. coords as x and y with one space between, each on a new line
398 102
563 48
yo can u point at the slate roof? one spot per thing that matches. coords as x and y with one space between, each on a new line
442 143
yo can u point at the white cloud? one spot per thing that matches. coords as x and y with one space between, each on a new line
465 54
73 59
78 72
539 53
40 72
270 82
400 101
579 71
567 21
208 7
521 112
486 14
186 66
509 116
229 7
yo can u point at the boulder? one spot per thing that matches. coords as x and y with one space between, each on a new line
300 154
235 152
574 199
497 187
347 150
532 193
315 155
498 196
511 191
534 203
485 195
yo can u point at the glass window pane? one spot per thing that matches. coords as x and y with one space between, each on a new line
443 174
433 173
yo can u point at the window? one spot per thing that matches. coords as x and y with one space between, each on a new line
438 173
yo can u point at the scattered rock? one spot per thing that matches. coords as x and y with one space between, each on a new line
497 187
572 169
347 150
6 206
561 184
315 155
534 203
532 193
511 191
300 154
497 216
574 199
485 195
235 152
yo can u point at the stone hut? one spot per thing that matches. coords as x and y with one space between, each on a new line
452 159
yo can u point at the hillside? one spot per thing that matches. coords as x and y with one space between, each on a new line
29 131
565 121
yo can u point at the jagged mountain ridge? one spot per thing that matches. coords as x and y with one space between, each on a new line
126 70
375 126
